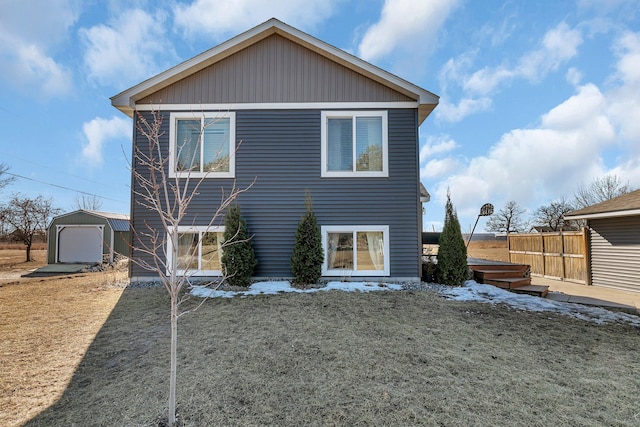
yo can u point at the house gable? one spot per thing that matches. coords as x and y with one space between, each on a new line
275 70
273 63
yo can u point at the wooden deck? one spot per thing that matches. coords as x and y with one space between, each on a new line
512 277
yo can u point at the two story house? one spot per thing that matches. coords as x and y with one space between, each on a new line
279 106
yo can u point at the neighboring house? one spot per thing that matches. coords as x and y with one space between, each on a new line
296 114
87 237
614 241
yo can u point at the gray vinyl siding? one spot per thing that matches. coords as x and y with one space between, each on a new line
615 252
272 70
281 150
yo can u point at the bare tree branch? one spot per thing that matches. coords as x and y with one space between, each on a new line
27 217
156 248
5 180
87 202
552 215
600 190
508 219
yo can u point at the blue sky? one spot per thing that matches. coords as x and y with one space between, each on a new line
537 97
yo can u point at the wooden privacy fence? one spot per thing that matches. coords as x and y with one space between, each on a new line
557 255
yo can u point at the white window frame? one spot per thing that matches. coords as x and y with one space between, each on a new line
326 229
192 229
325 116
174 117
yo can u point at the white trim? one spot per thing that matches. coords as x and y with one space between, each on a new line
199 108
112 235
325 172
192 229
326 229
202 116
614 214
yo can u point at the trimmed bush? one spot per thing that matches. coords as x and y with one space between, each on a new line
307 256
238 258
452 254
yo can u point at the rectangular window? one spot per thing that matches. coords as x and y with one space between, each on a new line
356 250
202 145
354 143
199 251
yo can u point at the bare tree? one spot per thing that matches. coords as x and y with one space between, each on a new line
157 247
4 179
508 219
600 190
87 202
552 215
27 217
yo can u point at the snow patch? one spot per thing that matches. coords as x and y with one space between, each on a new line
471 291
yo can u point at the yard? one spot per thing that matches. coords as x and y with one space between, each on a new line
77 351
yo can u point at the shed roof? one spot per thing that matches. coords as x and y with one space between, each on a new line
117 221
625 205
126 100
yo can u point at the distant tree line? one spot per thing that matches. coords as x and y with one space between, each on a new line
550 217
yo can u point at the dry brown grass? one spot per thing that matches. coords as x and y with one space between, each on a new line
47 326
13 259
396 358
21 247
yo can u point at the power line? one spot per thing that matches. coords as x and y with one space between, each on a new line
58 171
63 187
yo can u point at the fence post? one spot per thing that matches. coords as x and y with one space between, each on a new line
562 254
544 260
586 250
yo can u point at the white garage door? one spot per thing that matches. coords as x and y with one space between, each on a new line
80 244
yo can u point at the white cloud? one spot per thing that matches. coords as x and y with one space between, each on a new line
455 69
217 18
574 76
44 23
405 24
126 50
486 80
439 167
436 145
526 165
467 106
98 131
558 46
26 41
624 104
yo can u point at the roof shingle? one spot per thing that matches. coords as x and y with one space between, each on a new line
619 206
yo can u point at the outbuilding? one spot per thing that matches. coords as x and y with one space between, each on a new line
87 237
614 241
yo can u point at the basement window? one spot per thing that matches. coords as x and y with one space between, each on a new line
355 250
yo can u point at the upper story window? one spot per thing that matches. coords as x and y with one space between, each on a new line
354 144
202 145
